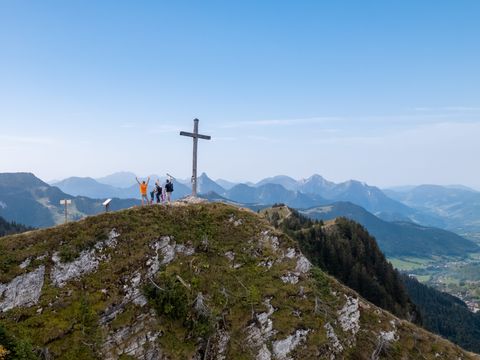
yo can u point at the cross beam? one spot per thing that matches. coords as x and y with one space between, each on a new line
195 135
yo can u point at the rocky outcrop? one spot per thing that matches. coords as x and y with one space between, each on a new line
87 262
63 272
260 331
335 345
24 290
233 220
167 249
303 267
349 316
221 340
135 340
281 348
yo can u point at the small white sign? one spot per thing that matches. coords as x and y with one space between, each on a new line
106 202
63 202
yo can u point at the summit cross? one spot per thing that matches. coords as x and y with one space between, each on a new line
195 135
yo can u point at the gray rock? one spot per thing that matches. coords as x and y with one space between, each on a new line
290 278
264 353
199 305
168 250
261 331
281 348
349 316
87 262
335 344
24 290
25 263
303 265
290 254
230 255
222 338
138 341
269 240
63 272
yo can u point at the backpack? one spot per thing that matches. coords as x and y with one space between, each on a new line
169 187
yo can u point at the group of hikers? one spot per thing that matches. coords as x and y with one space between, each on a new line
162 195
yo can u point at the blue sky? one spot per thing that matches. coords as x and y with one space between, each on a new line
386 92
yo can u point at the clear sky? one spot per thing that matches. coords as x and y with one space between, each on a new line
386 92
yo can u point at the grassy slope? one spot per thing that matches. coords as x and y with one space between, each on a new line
66 320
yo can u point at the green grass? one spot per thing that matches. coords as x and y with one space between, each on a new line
423 278
410 263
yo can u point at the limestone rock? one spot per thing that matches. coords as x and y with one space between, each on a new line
281 348
335 344
168 249
349 316
222 338
24 290
25 263
261 331
63 272
290 278
303 265
136 340
87 262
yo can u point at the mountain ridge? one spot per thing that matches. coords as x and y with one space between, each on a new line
230 287
398 238
26 199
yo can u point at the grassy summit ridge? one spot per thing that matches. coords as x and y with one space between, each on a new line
203 281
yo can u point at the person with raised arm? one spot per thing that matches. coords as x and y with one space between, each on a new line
143 189
169 190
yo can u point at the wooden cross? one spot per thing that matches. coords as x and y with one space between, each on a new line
195 135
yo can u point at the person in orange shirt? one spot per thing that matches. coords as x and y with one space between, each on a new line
143 189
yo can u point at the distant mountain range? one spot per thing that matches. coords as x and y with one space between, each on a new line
28 200
304 193
398 238
401 220
453 207
94 188
457 206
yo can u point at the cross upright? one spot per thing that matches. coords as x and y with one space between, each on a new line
195 135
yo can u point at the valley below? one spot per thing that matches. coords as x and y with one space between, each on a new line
456 276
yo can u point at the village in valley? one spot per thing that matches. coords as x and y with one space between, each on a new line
459 277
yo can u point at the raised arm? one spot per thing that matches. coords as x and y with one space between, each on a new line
148 179
136 178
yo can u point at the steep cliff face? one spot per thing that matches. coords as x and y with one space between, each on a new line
198 281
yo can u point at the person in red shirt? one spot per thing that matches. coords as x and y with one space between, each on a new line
143 189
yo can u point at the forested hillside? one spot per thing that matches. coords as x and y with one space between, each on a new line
345 250
8 228
445 314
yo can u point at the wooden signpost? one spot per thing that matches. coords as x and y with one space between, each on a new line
65 202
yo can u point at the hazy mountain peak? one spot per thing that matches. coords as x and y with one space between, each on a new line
121 179
206 185
227 185
286 181
20 180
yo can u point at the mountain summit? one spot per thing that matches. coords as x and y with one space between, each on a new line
192 281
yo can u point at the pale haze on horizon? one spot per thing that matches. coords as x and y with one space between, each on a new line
386 93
